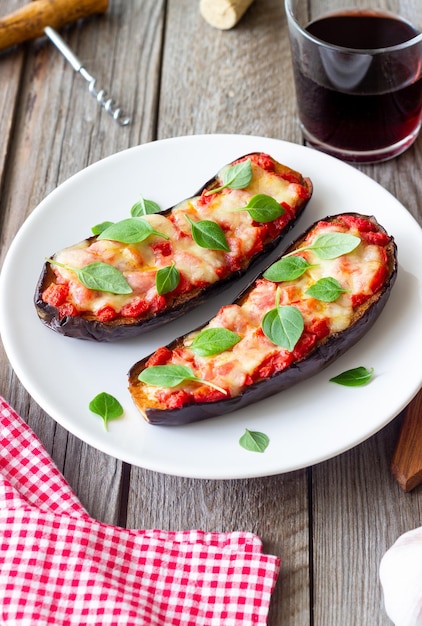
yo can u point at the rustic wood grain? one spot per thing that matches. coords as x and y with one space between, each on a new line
60 129
245 86
406 464
177 75
358 512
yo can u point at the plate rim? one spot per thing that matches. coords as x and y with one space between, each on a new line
86 172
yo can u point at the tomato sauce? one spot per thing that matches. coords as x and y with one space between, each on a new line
79 300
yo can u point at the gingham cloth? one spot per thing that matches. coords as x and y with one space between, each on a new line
59 566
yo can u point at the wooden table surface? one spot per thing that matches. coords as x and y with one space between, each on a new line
330 523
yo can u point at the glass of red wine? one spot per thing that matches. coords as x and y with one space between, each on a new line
358 75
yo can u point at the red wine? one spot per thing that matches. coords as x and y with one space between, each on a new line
359 102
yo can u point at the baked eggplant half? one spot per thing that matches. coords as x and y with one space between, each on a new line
151 268
305 310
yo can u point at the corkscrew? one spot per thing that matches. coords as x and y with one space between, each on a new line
42 17
101 96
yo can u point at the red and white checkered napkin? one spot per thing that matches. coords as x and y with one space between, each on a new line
59 566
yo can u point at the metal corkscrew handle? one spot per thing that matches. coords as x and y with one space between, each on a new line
101 96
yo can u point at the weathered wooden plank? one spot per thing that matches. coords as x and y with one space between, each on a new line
227 81
358 512
59 130
11 64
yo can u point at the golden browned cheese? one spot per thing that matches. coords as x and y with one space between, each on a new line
69 307
331 323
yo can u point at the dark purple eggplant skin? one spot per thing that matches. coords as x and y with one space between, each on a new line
89 328
318 359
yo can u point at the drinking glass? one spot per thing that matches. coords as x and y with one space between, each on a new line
357 66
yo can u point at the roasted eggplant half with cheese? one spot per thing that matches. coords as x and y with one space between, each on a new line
152 267
305 310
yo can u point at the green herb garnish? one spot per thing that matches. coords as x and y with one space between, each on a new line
144 207
355 377
106 406
214 341
99 276
283 325
130 230
254 441
263 208
330 245
287 268
171 376
167 279
208 234
99 228
235 177
326 289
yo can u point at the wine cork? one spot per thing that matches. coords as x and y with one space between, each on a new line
29 21
223 14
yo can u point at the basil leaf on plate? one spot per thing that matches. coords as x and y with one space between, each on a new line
254 441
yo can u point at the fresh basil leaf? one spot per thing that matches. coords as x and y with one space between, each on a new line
106 406
208 234
166 375
326 289
171 376
254 441
287 268
144 207
263 208
99 276
236 176
167 279
99 228
332 245
130 230
355 377
283 326
214 341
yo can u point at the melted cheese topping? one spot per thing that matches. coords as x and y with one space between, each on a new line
199 266
255 356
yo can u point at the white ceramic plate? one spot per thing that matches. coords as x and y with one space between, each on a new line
311 422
